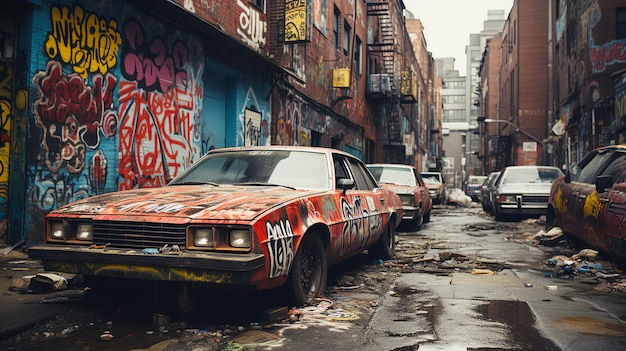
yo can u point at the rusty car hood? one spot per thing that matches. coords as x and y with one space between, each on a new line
191 201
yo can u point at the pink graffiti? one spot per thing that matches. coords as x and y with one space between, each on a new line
608 54
150 64
72 115
157 134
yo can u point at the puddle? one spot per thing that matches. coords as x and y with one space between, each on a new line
520 322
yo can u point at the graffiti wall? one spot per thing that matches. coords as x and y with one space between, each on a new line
118 103
6 107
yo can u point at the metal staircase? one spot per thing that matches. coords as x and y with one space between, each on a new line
384 48
385 44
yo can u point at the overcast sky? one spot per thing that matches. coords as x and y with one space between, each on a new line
448 24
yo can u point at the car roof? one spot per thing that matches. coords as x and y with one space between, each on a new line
283 148
398 165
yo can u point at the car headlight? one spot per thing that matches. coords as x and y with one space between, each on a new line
203 237
70 230
240 238
84 231
407 200
220 238
56 230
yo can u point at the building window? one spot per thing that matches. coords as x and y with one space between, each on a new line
453 99
346 37
358 53
454 84
260 4
453 115
336 17
620 30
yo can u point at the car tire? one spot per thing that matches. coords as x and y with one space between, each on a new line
551 221
385 247
418 220
309 271
427 217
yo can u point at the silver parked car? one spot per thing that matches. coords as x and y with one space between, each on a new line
486 195
523 191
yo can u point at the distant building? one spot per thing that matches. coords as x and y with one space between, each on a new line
492 27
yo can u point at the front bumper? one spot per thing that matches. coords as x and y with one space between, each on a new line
188 266
524 210
409 212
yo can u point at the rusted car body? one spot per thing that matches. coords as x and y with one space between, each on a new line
258 217
589 202
405 181
436 187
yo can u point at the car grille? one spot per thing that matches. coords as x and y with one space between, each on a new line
535 199
138 235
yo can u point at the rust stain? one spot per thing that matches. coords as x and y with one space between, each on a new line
590 326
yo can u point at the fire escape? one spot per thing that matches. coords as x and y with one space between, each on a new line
382 84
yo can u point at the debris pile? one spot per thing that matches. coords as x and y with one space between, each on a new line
585 265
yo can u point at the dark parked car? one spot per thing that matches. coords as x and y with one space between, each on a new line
436 187
473 186
589 202
406 181
523 191
255 217
486 194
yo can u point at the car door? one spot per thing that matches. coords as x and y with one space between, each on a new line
576 192
606 210
360 207
424 194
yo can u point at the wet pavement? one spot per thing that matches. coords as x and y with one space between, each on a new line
463 282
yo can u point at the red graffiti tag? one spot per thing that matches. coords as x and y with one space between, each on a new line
158 134
72 115
608 54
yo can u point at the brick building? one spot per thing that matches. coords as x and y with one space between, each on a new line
104 95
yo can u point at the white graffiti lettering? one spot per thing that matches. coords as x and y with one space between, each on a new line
153 208
251 29
280 247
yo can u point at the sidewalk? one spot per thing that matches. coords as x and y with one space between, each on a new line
21 311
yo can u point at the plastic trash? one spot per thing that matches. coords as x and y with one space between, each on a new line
150 251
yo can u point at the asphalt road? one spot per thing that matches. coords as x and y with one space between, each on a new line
463 282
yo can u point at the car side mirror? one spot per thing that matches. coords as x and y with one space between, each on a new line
604 183
345 184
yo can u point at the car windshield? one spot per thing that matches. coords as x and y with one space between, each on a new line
531 175
393 175
431 178
297 169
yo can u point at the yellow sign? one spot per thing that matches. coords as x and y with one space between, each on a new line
341 78
295 21
405 83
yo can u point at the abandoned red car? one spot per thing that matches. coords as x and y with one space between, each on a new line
589 202
406 181
258 217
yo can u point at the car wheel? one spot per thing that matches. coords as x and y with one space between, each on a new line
385 247
551 221
418 220
309 271
427 217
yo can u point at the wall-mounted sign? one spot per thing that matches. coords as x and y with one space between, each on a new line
296 21
341 78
